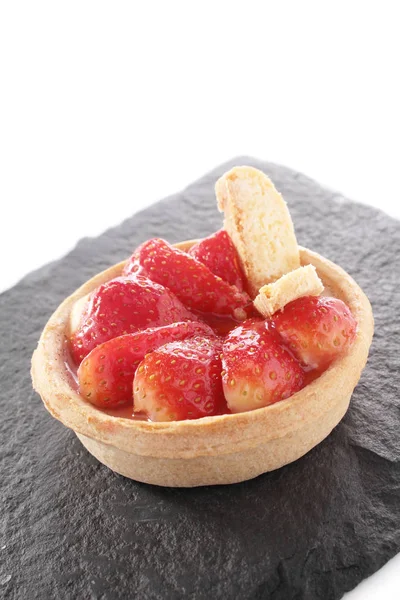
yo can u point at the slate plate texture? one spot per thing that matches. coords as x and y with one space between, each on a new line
70 528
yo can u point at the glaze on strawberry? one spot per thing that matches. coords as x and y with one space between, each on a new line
170 339
190 280
125 305
257 369
181 380
106 375
317 330
219 254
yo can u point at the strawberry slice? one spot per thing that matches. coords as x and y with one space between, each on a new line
191 281
257 369
106 375
219 254
122 306
181 380
316 329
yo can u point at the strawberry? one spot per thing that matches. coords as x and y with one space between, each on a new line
191 281
122 306
316 329
106 375
181 380
219 254
257 369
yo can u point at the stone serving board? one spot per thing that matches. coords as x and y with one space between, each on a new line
71 528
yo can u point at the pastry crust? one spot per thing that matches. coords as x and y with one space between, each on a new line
303 281
258 221
213 450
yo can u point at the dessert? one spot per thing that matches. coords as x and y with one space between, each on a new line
210 361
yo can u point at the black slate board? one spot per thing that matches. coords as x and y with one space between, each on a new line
70 528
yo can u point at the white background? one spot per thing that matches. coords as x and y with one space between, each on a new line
105 107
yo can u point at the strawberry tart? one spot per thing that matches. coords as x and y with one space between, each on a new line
210 361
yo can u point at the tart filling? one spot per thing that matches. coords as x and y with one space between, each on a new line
178 336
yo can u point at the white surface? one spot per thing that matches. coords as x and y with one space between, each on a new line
105 107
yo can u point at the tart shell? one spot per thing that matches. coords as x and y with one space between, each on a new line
212 450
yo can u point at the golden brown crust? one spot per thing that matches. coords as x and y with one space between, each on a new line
213 450
259 223
303 281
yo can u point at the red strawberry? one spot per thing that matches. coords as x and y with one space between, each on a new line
122 306
257 369
190 280
106 375
219 254
316 329
181 380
